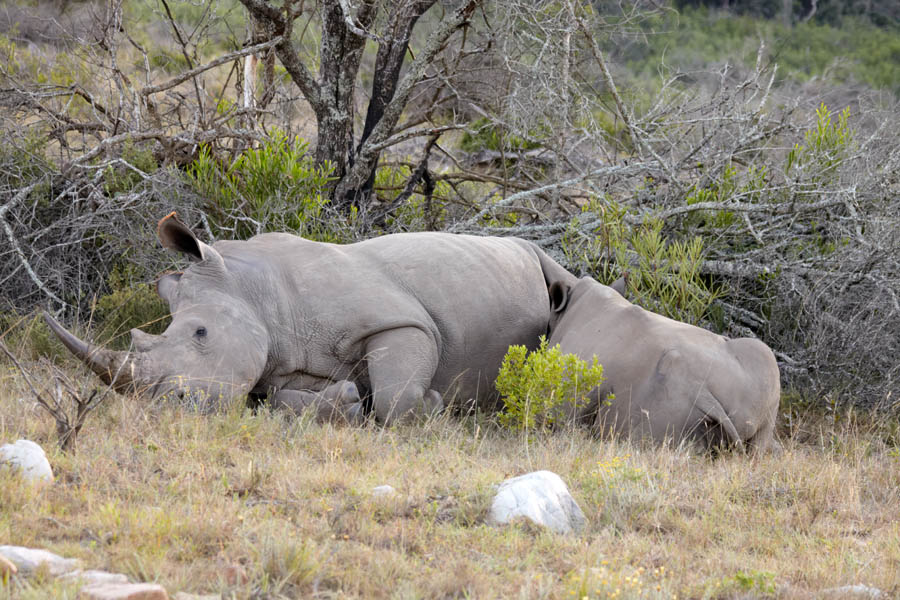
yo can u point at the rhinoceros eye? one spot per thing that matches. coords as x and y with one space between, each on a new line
200 333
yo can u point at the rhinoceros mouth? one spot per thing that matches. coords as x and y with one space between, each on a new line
116 368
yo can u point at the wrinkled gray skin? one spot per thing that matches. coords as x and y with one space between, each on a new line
407 319
671 381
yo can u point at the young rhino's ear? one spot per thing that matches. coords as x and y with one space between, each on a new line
175 235
559 296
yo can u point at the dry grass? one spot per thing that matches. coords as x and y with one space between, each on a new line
175 497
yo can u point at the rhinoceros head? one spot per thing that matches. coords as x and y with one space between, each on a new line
216 346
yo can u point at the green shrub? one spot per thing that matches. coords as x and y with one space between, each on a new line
484 135
275 187
122 178
418 212
663 272
825 147
534 385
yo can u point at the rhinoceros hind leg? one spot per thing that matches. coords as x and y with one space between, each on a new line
401 364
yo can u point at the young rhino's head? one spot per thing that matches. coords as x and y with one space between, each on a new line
216 346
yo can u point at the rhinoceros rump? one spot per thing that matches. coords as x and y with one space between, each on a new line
408 318
670 381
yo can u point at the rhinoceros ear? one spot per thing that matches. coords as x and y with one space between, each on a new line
620 285
559 296
165 286
175 235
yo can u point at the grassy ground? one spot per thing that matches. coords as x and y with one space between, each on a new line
171 496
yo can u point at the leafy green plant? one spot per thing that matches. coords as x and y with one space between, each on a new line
535 385
275 187
663 274
825 147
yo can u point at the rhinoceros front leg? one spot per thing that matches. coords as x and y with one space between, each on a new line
401 365
338 402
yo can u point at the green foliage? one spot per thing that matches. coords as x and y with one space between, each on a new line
534 385
485 135
418 212
663 274
667 278
825 148
275 187
137 161
127 306
848 51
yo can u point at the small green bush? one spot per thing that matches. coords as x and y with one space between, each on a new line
533 385
663 272
275 187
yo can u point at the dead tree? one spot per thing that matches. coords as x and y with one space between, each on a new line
331 92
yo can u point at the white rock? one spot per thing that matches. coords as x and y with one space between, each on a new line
186 596
92 576
541 497
858 590
28 560
123 591
29 457
383 491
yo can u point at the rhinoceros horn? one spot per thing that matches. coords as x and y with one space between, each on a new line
116 368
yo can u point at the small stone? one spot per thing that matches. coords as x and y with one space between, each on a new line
186 596
29 559
7 569
123 591
29 458
540 497
92 576
383 491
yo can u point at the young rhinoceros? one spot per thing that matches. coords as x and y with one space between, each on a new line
408 318
665 380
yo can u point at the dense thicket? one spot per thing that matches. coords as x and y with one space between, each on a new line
742 183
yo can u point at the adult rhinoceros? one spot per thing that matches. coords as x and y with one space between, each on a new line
665 380
409 318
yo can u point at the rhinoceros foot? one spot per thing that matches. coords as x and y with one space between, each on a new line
338 402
